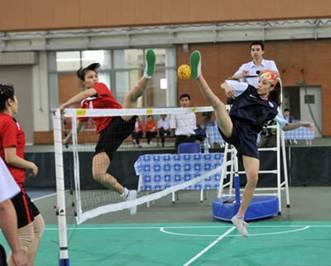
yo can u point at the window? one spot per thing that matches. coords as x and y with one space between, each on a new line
121 69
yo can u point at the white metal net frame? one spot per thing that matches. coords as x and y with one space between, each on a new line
262 191
74 114
81 216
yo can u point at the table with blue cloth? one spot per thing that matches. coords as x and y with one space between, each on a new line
301 133
161 171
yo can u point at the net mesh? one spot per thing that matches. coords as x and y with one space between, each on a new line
135 162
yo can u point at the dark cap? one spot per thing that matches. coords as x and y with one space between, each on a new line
82 71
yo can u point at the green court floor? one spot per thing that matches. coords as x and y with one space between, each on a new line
214 243
185 234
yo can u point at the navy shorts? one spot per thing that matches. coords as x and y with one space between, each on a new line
243 138
114 134
25 209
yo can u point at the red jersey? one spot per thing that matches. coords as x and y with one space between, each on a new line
103 99
12 135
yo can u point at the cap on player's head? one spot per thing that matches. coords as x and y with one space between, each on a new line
82 71
270 75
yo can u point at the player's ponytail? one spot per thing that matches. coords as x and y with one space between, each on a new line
274 95
6 92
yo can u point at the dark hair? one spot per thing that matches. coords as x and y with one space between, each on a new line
185 95
257 43
82 71
274 95
286 110
6 92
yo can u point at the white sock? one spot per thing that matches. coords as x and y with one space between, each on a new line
125 193
145 74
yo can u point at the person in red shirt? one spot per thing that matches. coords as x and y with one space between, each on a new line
12 144
112 130
138 132
150 129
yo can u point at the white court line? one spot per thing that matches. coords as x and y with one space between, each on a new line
260 234
209 246
186 227
44 197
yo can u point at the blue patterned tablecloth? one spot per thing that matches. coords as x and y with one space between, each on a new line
160 171
301 133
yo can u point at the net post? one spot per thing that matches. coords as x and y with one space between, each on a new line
60 190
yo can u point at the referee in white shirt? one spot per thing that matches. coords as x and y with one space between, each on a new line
185 124
247 71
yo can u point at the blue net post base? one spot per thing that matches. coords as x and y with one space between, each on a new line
260 207
64 262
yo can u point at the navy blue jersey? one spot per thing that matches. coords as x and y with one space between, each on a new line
251 109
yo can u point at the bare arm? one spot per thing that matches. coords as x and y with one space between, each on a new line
8 224
79 97
295 125
12 159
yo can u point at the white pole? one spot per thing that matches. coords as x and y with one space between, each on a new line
78 203
60 189
279 172
287 192
223 171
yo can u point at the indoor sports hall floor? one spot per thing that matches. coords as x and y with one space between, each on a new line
184 233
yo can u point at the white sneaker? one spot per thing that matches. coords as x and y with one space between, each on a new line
241 225
132 196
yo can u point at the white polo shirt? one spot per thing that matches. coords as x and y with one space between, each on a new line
252 70
8 186
163 123
185 124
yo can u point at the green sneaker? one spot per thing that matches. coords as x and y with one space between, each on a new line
195 62
149 64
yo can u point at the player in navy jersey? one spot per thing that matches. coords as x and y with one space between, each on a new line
251 110
112 130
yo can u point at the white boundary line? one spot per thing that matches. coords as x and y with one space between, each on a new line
44 197
250 235
209 246
185 227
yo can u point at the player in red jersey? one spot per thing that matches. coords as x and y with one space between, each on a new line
112 130
12 145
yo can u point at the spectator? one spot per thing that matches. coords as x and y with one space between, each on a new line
287 115
163 126
138 132
200 133
184 125
150 129
213 136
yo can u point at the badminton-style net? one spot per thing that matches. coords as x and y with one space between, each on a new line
74 161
